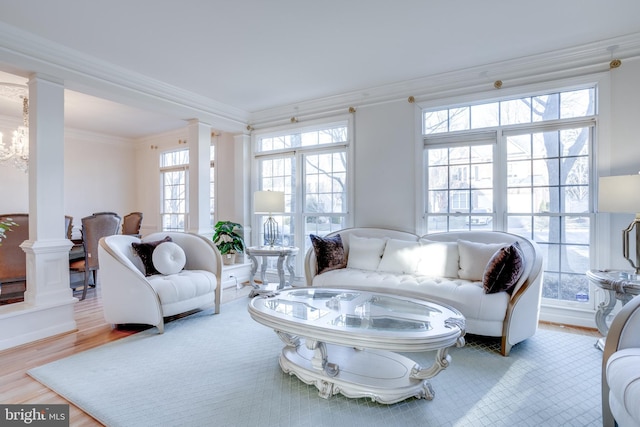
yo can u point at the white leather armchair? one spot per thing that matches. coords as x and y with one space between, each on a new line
621 368
128 296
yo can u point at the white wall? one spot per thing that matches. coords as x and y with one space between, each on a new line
384 166
621 145
225 179
99 172
98 175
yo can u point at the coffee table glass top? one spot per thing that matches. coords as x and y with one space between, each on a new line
365 312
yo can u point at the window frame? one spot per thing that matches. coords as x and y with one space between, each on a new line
298 154
558 311
184 167
180 168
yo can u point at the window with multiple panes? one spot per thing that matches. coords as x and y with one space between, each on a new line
310 165
174 176
521 165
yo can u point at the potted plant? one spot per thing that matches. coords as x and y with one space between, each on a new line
228 237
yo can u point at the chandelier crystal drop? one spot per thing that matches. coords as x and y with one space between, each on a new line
17 151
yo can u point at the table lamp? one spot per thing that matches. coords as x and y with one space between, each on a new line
621 194
268 202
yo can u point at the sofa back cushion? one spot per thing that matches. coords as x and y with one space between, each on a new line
365 253
400 256
438 259
474 258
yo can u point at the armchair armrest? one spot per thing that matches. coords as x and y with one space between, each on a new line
624 332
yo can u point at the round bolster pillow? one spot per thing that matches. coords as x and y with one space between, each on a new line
169 258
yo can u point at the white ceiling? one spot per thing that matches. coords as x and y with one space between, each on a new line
252 55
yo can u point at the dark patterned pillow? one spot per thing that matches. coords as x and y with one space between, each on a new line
329 252
145 252
504 269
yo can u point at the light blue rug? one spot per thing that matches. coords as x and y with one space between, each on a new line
222 370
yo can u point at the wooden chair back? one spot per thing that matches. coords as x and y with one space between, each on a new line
131 223
94 228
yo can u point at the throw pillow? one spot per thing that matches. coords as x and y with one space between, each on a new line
329 252
168 258
504 269
400 256
474 258
365 253
145 252
438 259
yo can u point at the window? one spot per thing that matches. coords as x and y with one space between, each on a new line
174 168
310 164
520 165
174 175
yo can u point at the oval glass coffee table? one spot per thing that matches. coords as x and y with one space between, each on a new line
346 341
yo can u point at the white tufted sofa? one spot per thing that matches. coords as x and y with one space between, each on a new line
513 317
621 368
130 297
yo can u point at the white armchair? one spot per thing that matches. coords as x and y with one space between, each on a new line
128 296
621 368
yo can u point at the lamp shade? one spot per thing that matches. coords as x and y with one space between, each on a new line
268 201
619 194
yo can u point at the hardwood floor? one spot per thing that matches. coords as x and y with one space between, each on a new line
17 387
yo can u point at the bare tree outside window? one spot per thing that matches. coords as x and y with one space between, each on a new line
547 174
310 166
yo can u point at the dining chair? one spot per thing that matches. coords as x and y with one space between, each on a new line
131 224
68 226
94 228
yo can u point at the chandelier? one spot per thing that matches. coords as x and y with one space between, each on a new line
16 152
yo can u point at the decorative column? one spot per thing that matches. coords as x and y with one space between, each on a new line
48 306
242 183
199 139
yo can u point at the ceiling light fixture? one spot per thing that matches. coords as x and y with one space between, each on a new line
17 152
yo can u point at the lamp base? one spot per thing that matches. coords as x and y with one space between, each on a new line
271 231
625 243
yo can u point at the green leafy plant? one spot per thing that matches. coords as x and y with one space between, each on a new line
5 225
228 237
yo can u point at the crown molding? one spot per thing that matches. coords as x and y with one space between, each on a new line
553 65
26 54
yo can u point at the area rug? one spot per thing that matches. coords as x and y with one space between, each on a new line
223 370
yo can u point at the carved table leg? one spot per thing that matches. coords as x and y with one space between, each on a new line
604 309
254 268
289 265
281 271
263 271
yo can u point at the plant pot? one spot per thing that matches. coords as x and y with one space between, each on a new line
228 259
